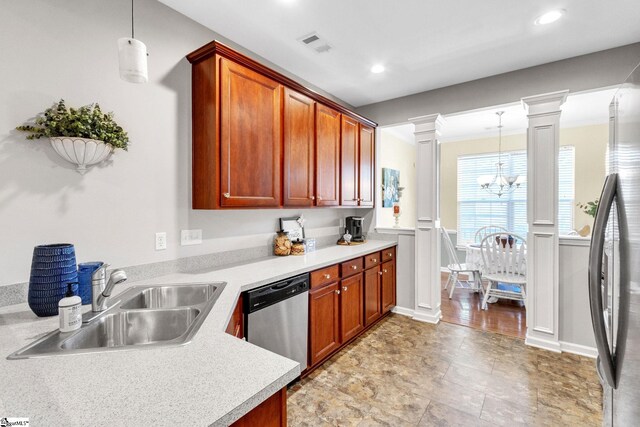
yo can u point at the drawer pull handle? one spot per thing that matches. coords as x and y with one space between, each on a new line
327 276
355 267
226 195
344 288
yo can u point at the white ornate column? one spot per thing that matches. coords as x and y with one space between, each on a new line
427 131
543 147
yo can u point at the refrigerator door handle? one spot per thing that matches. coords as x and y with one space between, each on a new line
595 277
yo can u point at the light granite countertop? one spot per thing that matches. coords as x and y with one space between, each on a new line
213 380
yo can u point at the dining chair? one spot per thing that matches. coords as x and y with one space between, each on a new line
482 232
505 262
455 268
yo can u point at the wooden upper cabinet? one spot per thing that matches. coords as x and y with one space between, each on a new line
299 149
250 137
263 140
367 166
327 156
350 160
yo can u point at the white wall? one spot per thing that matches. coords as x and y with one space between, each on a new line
67 49
397 153
596 70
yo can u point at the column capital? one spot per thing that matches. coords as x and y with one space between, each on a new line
429 123
544 104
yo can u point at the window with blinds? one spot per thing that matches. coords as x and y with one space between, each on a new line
477 208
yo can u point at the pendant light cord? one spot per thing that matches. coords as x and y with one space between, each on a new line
132 34
499 113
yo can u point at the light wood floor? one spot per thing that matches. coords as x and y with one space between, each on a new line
407 373
465 308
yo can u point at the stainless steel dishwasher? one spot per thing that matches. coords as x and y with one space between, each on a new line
278 317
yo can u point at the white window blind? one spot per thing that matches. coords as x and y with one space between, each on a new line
477 208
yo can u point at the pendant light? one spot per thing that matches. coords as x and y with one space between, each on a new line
499 183
132 56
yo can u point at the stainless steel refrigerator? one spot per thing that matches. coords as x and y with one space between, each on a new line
614 263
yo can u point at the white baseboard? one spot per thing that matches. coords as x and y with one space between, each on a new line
542 343
403 311
427 317
579 349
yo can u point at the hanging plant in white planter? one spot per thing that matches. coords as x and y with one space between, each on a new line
83 136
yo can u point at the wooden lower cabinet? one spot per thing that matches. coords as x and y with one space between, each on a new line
372 308
388 286
324 322
236 323
270 413
351 307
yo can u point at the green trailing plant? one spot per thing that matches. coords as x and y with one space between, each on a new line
85 122
590 208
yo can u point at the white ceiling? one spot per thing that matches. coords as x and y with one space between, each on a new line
580 109
423 44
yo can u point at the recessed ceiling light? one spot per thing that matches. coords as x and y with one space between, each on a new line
549 17
377 69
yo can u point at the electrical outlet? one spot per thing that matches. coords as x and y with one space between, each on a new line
190 237
161 241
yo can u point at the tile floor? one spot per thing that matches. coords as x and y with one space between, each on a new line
408 373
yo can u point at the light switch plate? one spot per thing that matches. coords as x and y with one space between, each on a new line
190 237
161 241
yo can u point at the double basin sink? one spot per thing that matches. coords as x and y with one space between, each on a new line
141 317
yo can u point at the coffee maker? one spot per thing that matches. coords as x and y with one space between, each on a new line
353 226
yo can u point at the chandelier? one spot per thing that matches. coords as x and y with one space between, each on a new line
500 183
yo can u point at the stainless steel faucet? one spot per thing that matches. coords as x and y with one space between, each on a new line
101 289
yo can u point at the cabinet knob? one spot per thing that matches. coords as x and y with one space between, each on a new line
313 197
319 198
373 259
327 276
359 199
355 267
337 292
380 273
344 288
385 270
390 254
226 195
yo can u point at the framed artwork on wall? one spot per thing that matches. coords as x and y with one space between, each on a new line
390 182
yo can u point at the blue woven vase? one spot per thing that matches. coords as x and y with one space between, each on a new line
52 267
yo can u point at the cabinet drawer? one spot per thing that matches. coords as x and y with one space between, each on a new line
325 276
372 260
349 268
388 254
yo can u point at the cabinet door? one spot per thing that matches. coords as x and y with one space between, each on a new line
366 166
371 295
349 169
235 326
327 156
351 307
388 285
324 316
250 138
299 149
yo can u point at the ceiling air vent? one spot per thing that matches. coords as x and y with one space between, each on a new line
315 42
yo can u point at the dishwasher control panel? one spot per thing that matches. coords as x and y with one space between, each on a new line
257 299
